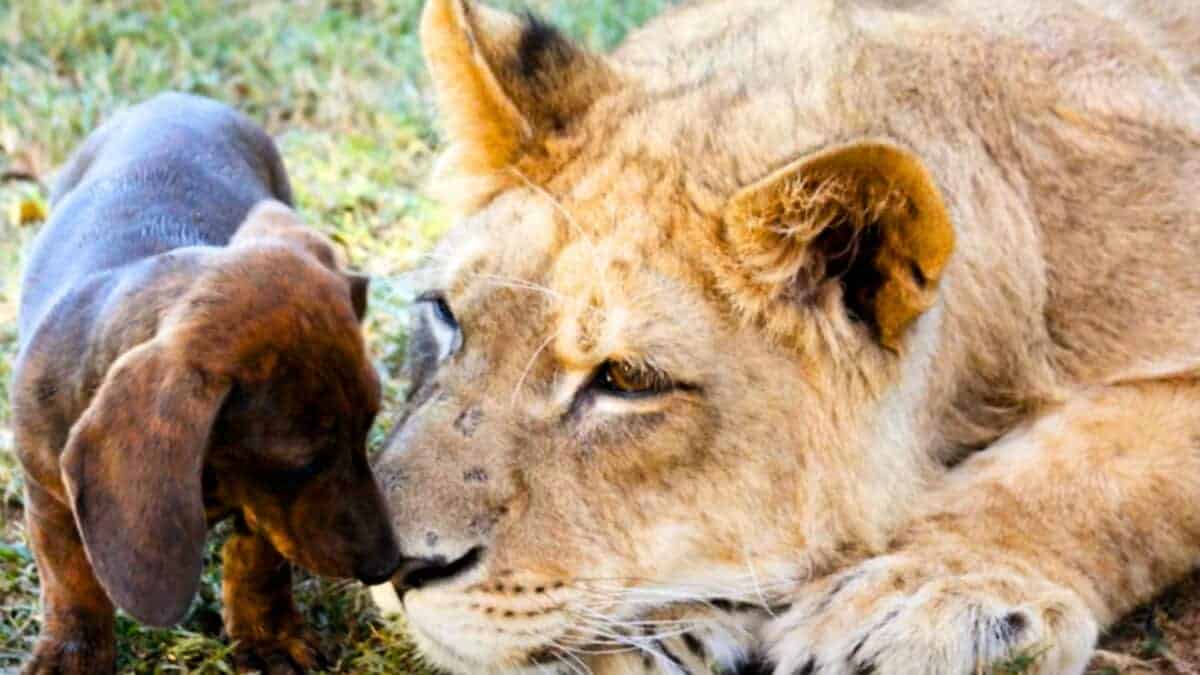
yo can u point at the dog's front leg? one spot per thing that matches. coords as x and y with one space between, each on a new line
1030 549
77 635
259 612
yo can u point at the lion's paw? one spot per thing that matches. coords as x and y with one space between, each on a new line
903 613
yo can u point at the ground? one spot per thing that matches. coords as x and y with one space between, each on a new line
340 85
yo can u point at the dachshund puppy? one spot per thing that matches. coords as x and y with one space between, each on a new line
187 356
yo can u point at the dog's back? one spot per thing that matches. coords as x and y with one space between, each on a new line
175 171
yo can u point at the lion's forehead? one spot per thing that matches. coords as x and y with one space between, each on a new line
585 280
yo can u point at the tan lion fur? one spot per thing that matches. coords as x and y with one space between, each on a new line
992 451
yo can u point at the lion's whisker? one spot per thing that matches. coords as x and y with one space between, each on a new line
569 659
529 367
757 585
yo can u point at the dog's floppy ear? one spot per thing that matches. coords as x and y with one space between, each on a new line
271 220
132 467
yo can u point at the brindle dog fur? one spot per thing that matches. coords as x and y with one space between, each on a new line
190 352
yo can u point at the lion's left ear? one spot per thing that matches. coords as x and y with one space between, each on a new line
866 215
504 82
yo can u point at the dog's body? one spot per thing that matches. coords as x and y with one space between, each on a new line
187 175
180 362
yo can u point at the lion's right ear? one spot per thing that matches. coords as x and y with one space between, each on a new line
866 218
504 83
132 467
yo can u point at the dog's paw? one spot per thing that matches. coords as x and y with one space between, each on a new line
292 652
913 613
70 657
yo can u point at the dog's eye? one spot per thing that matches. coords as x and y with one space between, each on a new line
621 378
295 476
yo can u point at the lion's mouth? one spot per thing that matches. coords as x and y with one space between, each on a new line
474 630
440 644
417 573
492 627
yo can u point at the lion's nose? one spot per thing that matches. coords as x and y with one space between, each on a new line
420 572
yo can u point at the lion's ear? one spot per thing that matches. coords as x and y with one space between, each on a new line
504 82
866 216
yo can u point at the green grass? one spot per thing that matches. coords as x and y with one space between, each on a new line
1020 662
341 85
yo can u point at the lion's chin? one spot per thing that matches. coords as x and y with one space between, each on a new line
452 635
387 599
478 655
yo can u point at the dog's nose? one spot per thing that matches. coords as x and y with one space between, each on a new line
420 572
377 572
381 565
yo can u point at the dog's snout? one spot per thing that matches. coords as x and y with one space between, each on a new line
420 572
382 558
379 569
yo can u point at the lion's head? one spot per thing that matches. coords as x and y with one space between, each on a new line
648 369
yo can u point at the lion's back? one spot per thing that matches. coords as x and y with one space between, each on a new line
1087 115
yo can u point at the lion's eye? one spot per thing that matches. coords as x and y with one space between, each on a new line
441 323
438 307
442 311
620 378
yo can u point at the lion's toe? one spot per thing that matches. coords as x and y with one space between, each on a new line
896 615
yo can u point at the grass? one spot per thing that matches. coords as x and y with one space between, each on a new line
341 86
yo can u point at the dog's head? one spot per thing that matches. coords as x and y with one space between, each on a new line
255 395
